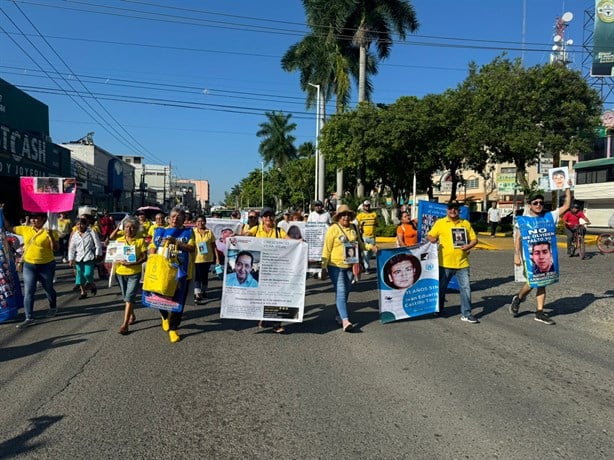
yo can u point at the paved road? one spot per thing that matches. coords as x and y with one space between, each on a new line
429 388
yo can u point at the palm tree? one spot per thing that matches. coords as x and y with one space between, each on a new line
375 21
277 147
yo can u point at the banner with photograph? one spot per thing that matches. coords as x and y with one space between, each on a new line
11 299
48 194
558 178
264 279
315 232
539 249
120 252
408 280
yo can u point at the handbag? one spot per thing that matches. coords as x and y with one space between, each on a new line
161 273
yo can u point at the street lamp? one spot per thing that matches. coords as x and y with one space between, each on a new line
320 169
262 184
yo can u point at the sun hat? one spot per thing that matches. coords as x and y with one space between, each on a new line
344 209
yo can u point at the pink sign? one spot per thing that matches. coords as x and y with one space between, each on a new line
48 194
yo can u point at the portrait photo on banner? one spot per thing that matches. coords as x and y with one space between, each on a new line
408 282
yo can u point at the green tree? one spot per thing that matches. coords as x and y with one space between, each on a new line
375 22
277 146
519 114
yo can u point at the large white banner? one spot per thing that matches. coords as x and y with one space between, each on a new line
264 279
408 280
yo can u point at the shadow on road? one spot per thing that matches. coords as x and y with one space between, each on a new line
22 444
10 353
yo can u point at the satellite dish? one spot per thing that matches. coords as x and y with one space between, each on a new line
557 38
567 17
570 42
555 48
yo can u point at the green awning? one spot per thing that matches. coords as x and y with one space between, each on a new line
594 163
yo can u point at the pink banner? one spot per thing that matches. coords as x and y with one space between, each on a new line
48 194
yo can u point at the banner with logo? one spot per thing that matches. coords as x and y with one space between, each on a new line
264 279
539 249
603 39
48 194
408 281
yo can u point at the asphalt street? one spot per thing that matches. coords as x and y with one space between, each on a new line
425 388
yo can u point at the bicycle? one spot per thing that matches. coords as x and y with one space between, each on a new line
578 241
605 243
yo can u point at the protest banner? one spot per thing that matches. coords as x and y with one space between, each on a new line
539 249
264 279
120 252
314 236
47 194
11 298
408 282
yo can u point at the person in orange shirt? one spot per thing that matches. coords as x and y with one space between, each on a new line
407 232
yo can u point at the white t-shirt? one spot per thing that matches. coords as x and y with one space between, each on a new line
494 215
317 217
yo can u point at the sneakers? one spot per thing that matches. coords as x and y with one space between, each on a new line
28 322
543 318
173 336
469 319
52 312
165 324
65 260
515 306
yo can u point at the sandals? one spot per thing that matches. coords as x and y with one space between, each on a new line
123 330
132 319
83 296
349 328
279 329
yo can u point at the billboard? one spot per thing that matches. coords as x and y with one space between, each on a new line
603 39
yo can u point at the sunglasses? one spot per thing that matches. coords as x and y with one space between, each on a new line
251 217
537 203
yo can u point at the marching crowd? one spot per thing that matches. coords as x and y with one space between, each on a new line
348 245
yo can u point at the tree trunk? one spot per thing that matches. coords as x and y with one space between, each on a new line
362 73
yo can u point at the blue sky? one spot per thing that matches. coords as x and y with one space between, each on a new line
188 83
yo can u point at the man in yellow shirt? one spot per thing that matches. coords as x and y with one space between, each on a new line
64 231
456 237
367 221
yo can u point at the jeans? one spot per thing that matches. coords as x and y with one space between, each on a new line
367 254
33 273
462 276
493 227
64 246
201 277
129 285
570 234
342 282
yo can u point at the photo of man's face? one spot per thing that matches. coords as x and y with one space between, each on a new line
243 267
542 257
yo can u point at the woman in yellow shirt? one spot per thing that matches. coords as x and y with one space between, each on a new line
342 240
205 255
38 264
129 271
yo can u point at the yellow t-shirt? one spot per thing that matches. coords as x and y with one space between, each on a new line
38 247
367 222
140 248
204 242
64 227
445 230
260 232
333 251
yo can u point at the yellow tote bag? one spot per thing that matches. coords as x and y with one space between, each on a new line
160 275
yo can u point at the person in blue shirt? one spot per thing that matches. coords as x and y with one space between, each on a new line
242 276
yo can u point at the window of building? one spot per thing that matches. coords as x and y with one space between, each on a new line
472 183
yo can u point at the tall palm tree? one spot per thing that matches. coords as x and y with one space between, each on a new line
277 146
375 21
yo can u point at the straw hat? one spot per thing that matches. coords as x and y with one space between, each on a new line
343 209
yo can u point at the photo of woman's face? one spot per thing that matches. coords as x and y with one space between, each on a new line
402 274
